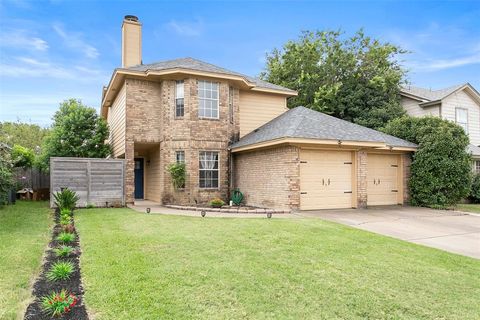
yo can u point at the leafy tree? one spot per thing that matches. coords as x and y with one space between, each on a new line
475 190
355 79
22 157
77 131
441 167
6 175
28 135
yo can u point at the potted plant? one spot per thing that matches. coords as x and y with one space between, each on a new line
217 203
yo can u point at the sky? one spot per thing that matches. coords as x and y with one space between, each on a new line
54 50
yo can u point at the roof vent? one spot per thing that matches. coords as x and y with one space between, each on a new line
131 18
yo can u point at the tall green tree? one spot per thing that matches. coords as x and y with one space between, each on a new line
356 79
441 168
77 131
30 136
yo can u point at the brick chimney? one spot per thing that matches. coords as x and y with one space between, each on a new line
131 42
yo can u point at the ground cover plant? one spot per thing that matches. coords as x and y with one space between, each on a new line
59 303
66 237
24 234
230 268
61 270
63 251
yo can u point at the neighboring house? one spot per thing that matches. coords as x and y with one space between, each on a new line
234 131
460 104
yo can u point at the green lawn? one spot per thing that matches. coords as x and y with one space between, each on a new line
469 207
137 266
24 235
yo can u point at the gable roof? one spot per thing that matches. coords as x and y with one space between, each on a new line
473 150
301 122
429 95
198 65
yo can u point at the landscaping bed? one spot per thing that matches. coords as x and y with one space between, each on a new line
54 279
228 209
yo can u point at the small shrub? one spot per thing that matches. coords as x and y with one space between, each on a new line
237 197
65 212
69 228
475 190
60 271
90 206
177 172
66 237
64 220
63 251
217 203
66 199
58 303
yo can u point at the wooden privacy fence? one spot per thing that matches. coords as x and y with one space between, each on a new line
96 181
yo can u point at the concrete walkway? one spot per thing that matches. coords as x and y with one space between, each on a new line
451 231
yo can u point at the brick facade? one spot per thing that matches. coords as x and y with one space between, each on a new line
151 125
269 178
361 167
406 163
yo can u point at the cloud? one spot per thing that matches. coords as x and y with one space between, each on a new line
33 68
21 39
74 41
189 29
442 64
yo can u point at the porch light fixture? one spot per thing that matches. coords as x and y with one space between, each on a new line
148 210
203 213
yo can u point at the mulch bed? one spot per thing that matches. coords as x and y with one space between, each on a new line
43 287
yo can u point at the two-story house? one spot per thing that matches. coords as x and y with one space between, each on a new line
235 131
460 104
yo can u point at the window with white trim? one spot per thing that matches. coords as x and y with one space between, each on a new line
461 118
207 99
230 104
477 166
179 99
180 156
208 172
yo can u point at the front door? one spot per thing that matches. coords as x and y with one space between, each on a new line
138 178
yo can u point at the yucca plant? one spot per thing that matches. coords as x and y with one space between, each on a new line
58 303
63 251
66 237
60 271
66 199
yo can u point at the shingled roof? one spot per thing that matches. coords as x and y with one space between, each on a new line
432 95
198 65
301 122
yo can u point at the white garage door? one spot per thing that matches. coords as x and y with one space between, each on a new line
382 179
325 179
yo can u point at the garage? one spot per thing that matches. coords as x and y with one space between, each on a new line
325 179
383 179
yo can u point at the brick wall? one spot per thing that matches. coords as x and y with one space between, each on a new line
406 162
269 178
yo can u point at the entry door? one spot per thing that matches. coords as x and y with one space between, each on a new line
325 179
382 179
139 178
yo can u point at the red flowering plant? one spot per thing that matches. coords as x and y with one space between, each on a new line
58 303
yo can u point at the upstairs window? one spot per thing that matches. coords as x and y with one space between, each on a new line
230 104
179 99
208 172
461 118
207 99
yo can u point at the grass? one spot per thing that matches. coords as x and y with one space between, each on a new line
137 266
468 207
24 234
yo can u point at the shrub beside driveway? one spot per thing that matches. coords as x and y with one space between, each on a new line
152 266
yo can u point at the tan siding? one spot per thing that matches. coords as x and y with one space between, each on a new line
256 109
462 100
152 175
415 110
116 123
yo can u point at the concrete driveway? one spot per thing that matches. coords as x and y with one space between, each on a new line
451 231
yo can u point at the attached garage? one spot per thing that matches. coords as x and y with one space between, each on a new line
325 179
384 183
308 160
